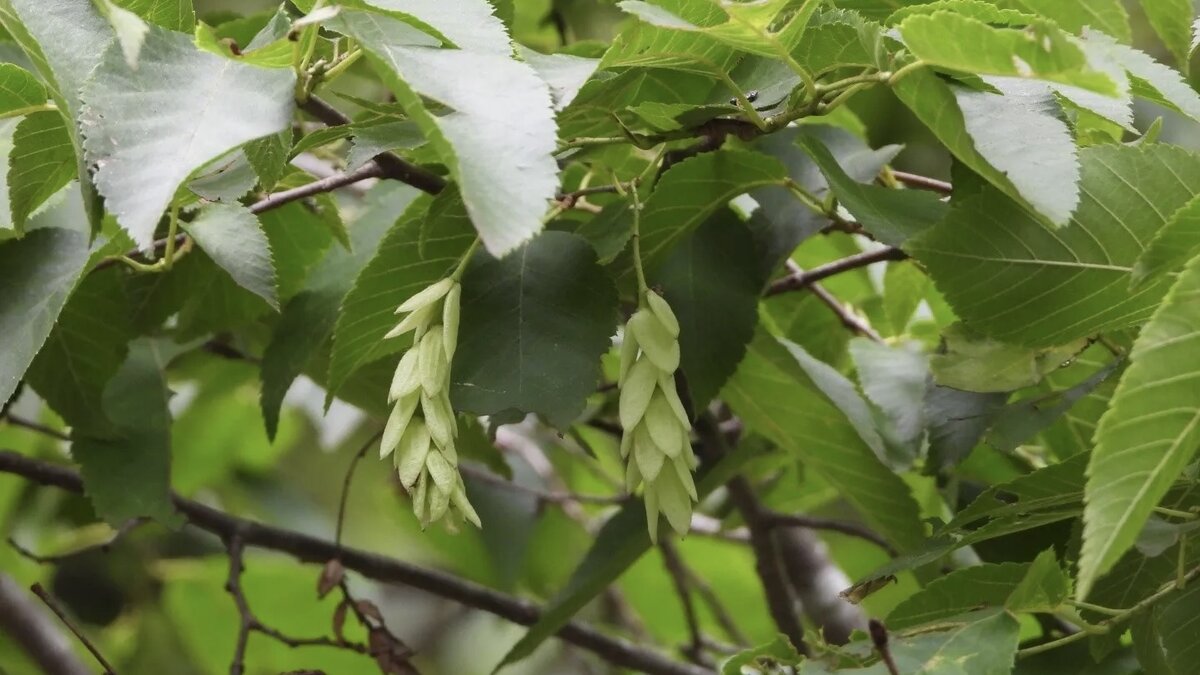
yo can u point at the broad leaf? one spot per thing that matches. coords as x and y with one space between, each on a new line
38 273
565 74
42 161
176 15
957 420
1150 432
958 592
232 236
1175 618
992 260
128 475
693 189
776 397
138 171
895 378
1176 243
1108 16
85 349
421 248
63 39
499 108
534 325
1019 422
1040 51
308 319
712 272
1150 79
1044 587
971 362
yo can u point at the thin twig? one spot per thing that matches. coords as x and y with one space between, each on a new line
717 608
879 638
341 516
329 184
793 282
30 627
45 597
679 577
775 519
848 318
923 182
35 427
103 547
375 566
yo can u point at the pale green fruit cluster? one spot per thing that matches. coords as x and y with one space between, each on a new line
422 427
656 445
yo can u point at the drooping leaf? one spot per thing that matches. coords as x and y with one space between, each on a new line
690 191
308 319
499 108
421 248
534 325
1150 432
41 163
232 236
1040 50
40 270
990 258
714 271
776 397
138 172
85 349
128 475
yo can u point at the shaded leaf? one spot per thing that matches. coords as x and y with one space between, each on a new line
42 161
974 363
534 325
232 236
20 92
1172 20
895 378
1176 243
961 591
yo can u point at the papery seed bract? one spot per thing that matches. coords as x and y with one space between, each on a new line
636 392
440 470
629 352
413 321
397 423
405 379
450 315
432 364
656 343
662 310
649 458
426 297
662 424
411 453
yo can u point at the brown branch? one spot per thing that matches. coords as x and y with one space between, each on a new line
847 318
879 637
923 182
31 628
391 165
780 600
770 518
328 184
35 427
62 616
341 516
248 623
375 566
549 497
679 578
793 282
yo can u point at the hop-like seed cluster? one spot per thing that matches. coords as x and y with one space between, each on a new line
656 446
422 427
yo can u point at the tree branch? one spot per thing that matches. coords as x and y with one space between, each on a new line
679 578
31 629
328 184
797 281
62 616
923 182
779 520
374 566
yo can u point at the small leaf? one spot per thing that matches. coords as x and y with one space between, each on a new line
975 363
1044 588
1150 432
41 163
138 172
960 591
533 327
20 92
232 236
331 577
1172 20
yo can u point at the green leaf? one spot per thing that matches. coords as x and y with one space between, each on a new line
20 92
534 325
42 161
139 172
976 9
959 592
406 262
1039 51
895 378
1019 422
500 109
308 319
38 273
1175 620
1044 588
957 420
776 397
986 646
690 191
1150 79
1108 16
891 215
176 15
128 476
1150 432
712 272
1078 274
563 73
904 287
1172 20
129 28
776 653
63 39
85 349
1176 243
971 362
269 157
232 236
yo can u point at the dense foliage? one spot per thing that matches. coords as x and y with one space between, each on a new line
889 310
